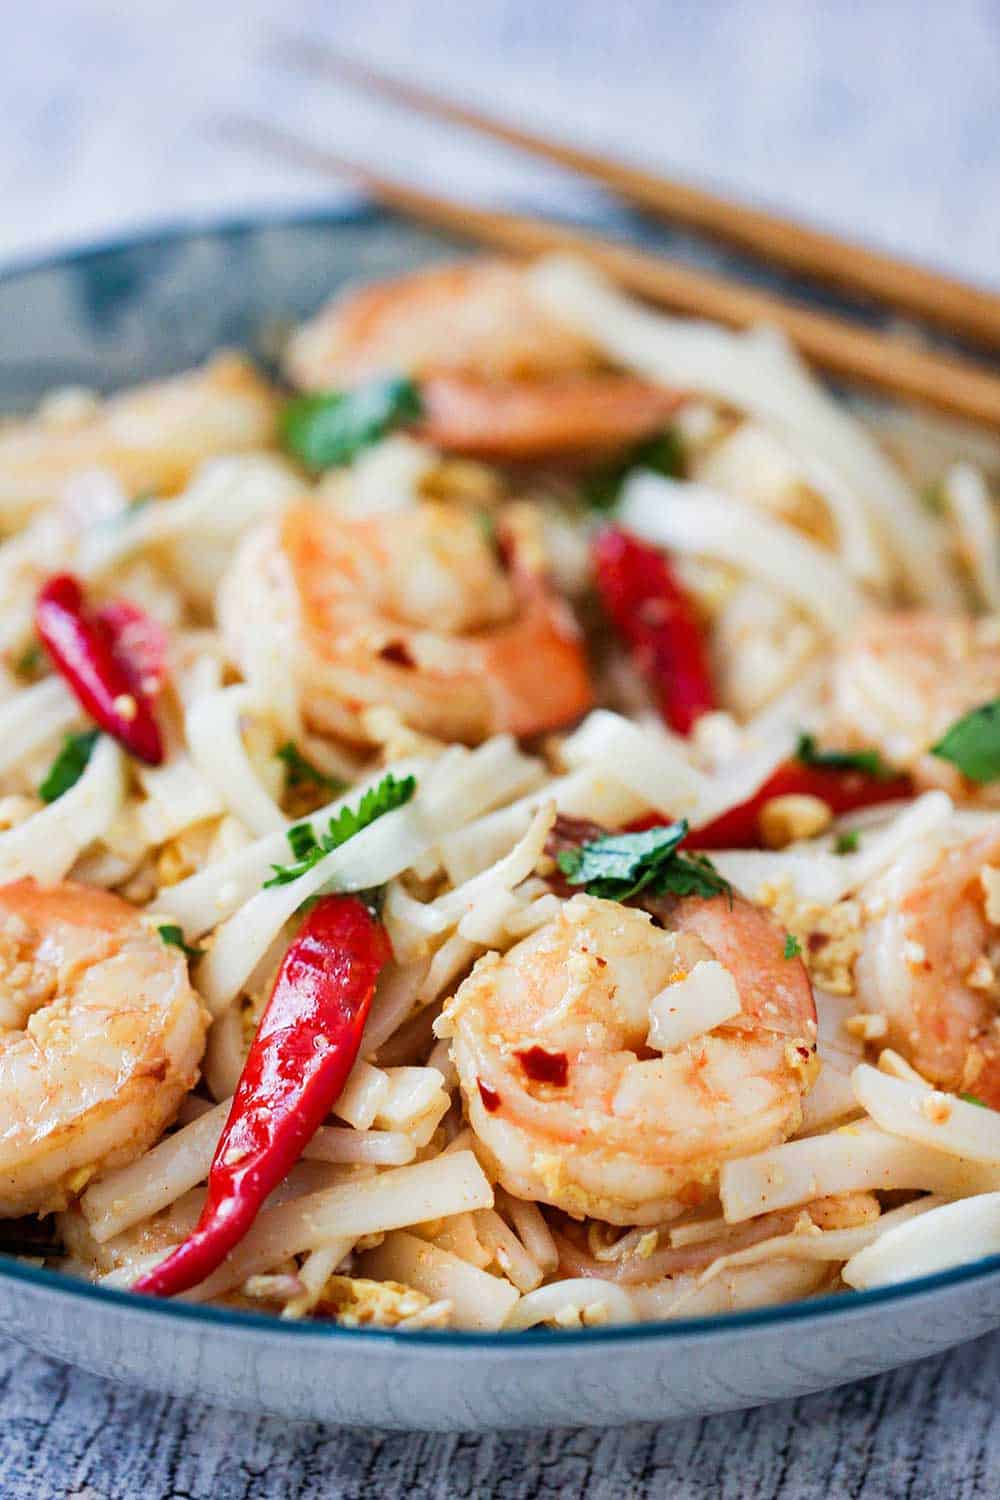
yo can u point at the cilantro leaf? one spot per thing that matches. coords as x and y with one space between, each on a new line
664 454
793 948
869 762
30 659
302 840
847 843
308 850
620 865
973 743
329 428
69 765
174 938
301 772
974 1099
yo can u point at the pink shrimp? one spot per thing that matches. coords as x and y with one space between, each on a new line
500 378
552 1046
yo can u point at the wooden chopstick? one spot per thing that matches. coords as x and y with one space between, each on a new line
931 295
845 349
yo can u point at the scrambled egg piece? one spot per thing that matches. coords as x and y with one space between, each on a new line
355 1302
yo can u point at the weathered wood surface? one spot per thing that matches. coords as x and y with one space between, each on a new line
930 1430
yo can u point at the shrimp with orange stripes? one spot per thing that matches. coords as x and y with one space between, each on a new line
414 610
101 1036
500 378
902 680
555 1045
930 962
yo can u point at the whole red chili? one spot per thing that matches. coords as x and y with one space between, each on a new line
89 649
654 616
306 1044
842 790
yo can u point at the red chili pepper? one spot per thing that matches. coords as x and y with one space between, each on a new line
89 649
306 1045
140 642
842 791
654 616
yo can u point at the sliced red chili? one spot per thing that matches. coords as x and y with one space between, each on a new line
140 643
842 791
306 1044
89 649
490 1097
657 620
544 1067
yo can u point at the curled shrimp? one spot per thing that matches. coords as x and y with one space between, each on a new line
500 378
562 1090
903 679
101 1035
930 962
411 610
150 438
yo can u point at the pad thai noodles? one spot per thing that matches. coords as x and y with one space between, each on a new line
499 826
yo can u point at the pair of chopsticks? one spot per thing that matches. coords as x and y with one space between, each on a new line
843 348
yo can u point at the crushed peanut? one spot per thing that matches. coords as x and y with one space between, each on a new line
867 1025
783 820
829 936
125 706
982 975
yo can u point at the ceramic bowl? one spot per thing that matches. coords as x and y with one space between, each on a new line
129 311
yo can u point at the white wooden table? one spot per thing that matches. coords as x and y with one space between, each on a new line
879 120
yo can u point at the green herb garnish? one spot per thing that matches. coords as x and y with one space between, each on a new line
484 519
868 762
301 839
932 498
793 948
135 507
29 660
973 743
620 865
308 850
330 428
847 843
301 772
974 1099
664 454
69 765
174 937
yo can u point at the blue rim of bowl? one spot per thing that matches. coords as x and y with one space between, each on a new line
155 233
718 1324
822 1309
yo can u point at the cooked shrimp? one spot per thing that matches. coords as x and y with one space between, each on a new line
101 1035
562 1090
499 377
931 963
150 438
412 610
905 678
